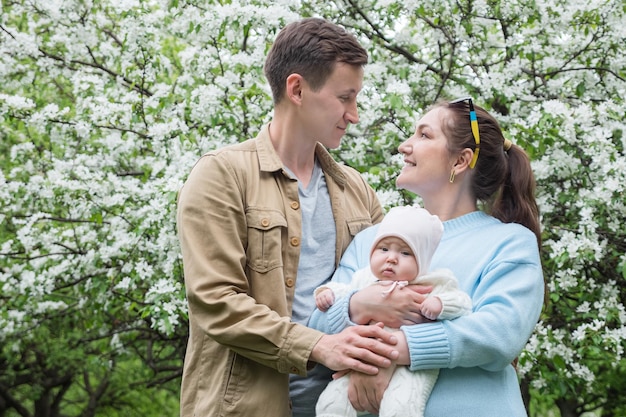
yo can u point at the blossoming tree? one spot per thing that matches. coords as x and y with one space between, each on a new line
105 106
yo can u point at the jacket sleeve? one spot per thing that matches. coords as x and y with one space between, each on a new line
213 233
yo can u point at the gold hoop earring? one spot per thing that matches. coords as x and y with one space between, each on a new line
452 174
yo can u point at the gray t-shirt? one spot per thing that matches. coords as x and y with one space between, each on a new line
316 266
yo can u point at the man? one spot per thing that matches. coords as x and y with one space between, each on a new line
262 224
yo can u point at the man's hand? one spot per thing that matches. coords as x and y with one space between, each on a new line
396 309
359 348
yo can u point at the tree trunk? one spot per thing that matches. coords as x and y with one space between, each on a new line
567 408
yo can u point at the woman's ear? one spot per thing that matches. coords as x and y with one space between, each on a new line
463 160
294 86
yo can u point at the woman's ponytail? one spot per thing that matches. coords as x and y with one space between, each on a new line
515 203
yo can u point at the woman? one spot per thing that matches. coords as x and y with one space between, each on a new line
482 187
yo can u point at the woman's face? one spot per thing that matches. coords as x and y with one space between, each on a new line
427 160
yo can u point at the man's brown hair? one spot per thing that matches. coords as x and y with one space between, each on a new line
310 47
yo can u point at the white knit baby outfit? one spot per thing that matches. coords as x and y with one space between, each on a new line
408 391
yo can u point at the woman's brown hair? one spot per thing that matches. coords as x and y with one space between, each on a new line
503 178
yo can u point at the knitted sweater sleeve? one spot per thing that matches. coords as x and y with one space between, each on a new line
505 282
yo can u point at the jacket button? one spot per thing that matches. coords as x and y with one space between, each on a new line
295 205
295 241
265 222
289 282
294 370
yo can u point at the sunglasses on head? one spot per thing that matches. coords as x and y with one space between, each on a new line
474 124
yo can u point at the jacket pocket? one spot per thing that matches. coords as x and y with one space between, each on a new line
265 231
355 225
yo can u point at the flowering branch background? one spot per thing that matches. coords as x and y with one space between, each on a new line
106 105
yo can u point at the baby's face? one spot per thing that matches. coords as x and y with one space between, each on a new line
392 259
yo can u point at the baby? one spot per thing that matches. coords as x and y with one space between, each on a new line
401 254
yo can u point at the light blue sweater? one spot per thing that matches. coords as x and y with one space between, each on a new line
498 265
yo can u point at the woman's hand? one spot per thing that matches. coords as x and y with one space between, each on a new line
400 307
365 392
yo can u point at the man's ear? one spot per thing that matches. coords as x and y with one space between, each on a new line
294 86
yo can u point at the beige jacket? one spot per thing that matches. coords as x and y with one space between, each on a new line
240 229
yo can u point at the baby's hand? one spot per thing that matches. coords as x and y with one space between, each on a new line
431 308
324 299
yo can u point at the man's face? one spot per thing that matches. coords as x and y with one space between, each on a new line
328 111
